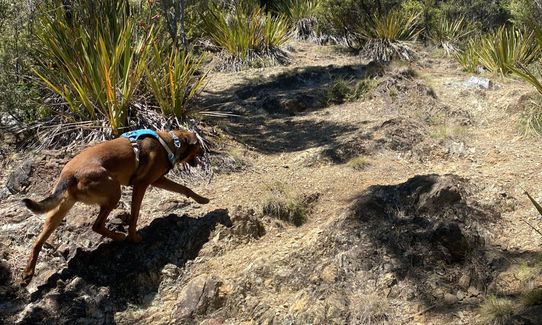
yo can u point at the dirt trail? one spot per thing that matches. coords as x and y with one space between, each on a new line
335 268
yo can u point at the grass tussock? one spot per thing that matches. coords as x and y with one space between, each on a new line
174 80
499 52
496 310
506 47
530 120
371 309
246 32
359 163
286 205
468 58
301 15
389 36
94 60
449 33
342 91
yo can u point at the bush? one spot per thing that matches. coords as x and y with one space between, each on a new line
524 12
18 92
174 80
486 15
342 18
501 51
94 56
519 68
245 31
507 47
469 58
301 14
449 33
387 36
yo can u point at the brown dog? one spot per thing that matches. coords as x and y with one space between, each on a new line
95 176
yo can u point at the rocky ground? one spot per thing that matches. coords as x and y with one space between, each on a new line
398 202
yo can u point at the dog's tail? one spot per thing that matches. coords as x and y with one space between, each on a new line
52 200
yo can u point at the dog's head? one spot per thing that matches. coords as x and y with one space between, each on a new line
192 148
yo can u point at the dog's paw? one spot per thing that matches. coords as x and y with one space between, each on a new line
25 279
201 200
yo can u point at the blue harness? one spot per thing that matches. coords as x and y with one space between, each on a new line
133 136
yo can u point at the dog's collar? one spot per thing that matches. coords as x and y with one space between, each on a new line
172 155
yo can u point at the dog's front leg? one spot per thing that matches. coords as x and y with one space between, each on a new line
137 196
171 186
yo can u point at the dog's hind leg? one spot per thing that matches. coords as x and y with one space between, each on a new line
52 220
112 197
99 225
171 186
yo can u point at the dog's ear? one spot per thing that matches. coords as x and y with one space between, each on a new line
192 138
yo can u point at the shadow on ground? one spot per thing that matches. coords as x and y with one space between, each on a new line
97 284
263 107
285 135
423 240
287 93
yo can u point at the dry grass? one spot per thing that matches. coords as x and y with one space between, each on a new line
359 163
371 309
497 310
531 118
284 204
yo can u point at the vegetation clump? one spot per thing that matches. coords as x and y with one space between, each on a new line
497 310
387 37
302 15
246 32
285 205
117 61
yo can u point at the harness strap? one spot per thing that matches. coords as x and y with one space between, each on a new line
172 155
135 147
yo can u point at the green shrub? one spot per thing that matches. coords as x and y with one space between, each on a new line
301 14
485 15
469 58
496 310
341 91
245 31
94 57
19 94
386 37
506 47
524 12
342 18
449 33
174 80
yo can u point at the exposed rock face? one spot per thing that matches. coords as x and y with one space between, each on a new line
200 296
19 180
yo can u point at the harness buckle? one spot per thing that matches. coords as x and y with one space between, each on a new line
176 141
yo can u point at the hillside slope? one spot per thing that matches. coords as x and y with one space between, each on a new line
412 195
